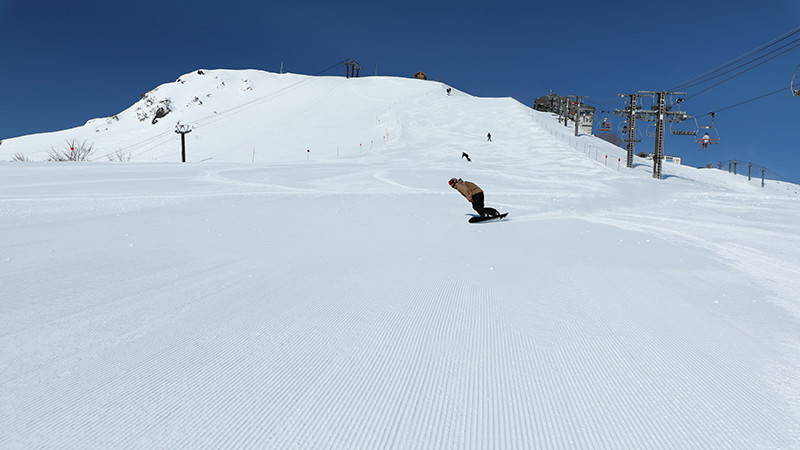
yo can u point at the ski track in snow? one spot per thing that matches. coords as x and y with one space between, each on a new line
418 367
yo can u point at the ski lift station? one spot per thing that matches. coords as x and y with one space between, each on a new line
556 104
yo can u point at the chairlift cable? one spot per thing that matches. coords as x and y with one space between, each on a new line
746 55
748 101
796 41
740 73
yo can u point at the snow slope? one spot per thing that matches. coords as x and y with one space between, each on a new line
236 114
330 299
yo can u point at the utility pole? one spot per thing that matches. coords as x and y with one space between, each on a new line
630 113
182 130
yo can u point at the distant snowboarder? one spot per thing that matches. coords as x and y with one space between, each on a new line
489 137
448 91
465 155
474 195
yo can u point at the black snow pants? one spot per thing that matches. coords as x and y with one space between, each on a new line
477 205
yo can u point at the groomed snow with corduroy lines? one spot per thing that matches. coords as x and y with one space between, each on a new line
308 279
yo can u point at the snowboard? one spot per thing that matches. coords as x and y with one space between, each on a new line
478 219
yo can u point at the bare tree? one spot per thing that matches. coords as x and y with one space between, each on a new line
75 151
119 156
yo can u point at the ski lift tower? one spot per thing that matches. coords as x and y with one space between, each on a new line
182 130
576 112
353 67
629 112
660 114
564 102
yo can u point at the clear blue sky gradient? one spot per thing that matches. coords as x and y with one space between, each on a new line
65 62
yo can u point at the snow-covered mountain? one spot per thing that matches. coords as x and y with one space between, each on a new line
309 280
236 113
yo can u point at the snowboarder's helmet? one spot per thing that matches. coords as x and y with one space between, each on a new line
452 181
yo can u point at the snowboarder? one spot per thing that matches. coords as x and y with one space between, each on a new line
705 140
474 195
465 155
489 137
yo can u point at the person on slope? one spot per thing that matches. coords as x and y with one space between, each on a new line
474 195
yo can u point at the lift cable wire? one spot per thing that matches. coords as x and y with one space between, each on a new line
748 101
750 62
740 73
745 56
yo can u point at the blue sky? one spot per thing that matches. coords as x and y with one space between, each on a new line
65 62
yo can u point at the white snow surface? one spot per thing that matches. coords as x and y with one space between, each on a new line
309 280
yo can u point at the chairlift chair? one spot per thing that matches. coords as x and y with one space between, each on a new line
623 130
688 127
651 130
636 138
605 124
795 85
713 134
